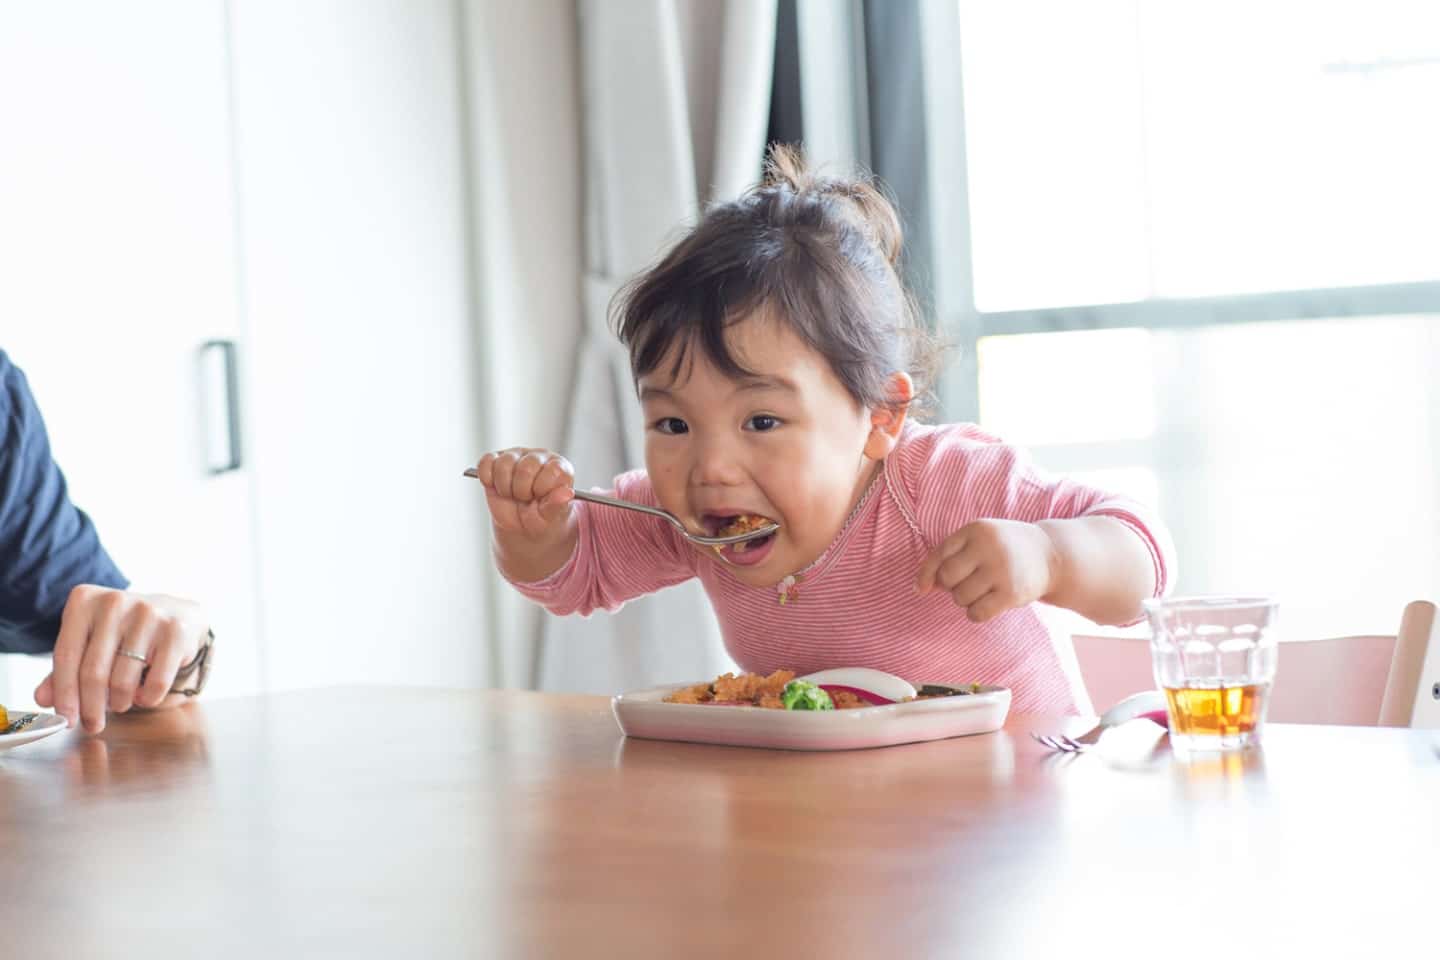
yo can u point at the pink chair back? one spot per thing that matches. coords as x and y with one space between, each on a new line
1338 680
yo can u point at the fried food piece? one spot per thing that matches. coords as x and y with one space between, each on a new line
699 693
751 686
748 688
4 717
845 700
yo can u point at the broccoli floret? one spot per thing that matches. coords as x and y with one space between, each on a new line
804 695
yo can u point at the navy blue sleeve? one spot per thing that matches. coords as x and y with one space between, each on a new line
47 545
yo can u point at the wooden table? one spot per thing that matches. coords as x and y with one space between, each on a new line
386 822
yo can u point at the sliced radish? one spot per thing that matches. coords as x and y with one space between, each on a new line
866 695
873 686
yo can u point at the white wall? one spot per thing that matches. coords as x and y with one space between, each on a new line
351 197
379 201
117 260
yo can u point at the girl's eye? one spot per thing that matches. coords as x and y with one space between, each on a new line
672 425
763 422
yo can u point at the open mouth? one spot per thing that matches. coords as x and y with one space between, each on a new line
730 525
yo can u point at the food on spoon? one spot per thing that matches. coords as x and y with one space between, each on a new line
744 523
803 695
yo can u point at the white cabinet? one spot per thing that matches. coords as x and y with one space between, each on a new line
290 180
363 394
117 261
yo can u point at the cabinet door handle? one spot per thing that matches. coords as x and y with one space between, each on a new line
222 403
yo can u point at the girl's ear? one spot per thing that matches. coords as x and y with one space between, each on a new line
886 421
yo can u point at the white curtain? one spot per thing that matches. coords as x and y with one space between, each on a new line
676 97
522 115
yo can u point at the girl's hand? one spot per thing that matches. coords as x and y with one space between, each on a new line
529 492
991 566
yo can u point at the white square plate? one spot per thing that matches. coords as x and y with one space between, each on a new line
644 714
43 725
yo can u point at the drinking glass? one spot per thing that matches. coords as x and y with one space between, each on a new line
1215 659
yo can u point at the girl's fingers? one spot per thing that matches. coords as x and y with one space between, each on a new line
504 511
956 569
556 503
531 519
928 569
970 591
485 470
535 476
555 472
502 469
988 607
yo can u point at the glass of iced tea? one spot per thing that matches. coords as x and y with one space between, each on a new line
1215 659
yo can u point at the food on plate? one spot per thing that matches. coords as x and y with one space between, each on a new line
843 688
748 689
804 695
870 685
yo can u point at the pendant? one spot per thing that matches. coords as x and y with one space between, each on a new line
788 588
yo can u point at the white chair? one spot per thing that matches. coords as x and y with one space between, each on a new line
1372 680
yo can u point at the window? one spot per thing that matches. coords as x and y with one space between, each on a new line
1120 150
1190 252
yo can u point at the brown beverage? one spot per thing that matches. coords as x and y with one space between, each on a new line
1217 711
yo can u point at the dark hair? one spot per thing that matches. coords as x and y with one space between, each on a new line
820 252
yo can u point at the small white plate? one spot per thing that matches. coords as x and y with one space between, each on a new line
43 725
644 714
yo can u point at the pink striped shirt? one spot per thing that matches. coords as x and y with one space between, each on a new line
856 606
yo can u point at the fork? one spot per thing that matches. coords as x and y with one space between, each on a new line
1149 705
20 723
675 521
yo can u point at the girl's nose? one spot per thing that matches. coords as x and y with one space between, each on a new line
717 463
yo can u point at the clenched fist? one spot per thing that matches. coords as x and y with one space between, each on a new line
990 566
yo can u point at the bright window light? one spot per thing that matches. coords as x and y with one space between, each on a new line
1125 149
1059 388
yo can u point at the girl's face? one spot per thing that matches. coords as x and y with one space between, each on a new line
788 444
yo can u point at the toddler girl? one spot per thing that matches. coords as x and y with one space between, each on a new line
778 362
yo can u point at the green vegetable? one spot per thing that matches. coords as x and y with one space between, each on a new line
804 695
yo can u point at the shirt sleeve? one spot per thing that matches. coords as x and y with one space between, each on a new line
960 474
620 555
47 545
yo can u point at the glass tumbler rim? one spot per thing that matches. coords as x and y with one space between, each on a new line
1209 601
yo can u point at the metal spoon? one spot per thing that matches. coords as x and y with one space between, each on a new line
675 521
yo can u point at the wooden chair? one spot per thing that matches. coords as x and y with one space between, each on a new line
1372 680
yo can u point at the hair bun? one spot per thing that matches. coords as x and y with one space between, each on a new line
787 168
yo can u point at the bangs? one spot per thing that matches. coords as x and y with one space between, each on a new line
689 302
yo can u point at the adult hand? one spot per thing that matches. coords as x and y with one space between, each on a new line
90 675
